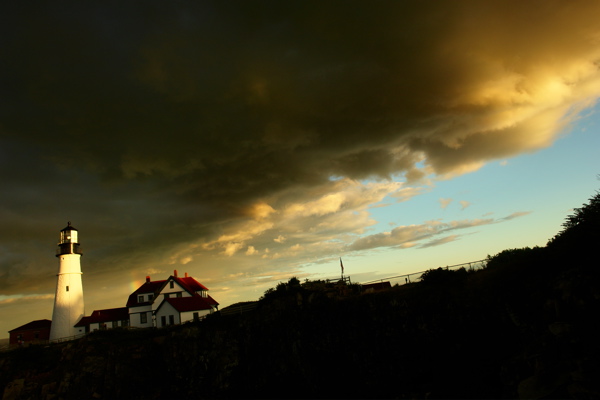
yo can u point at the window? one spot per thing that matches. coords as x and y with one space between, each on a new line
196 317
178 294
167 295
67 288
163 321
143 318
171 284
140 299
115 324
125 323
150 297
171 320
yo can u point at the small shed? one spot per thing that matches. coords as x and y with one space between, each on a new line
33 332
376 287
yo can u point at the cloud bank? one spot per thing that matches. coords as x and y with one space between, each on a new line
185 133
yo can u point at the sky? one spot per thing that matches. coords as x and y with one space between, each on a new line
247 142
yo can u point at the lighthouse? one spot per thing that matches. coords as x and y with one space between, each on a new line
68 300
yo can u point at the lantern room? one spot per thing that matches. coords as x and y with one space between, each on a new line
68 243
68 234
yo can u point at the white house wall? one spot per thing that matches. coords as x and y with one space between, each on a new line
134 316
135 319
165 311
189 315
95 326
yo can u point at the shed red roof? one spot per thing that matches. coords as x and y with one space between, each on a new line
38 324
111 314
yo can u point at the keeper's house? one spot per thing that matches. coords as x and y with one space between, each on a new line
156 304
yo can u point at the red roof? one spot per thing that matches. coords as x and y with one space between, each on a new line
111 314
212 301
147 287
194 303
188 284
38 324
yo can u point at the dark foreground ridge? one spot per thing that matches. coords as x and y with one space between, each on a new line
526 326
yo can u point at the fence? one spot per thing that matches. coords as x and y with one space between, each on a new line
239 309
67 338
344 279
414 276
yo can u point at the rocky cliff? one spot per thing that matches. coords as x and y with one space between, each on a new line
517 330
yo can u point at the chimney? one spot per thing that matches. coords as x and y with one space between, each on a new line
186 275
147 279
175 273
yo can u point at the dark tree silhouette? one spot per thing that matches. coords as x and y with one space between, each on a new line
443 276
580 228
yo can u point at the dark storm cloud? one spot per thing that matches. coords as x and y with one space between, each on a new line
168 121
232 101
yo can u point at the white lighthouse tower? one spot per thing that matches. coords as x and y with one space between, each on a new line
68 301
